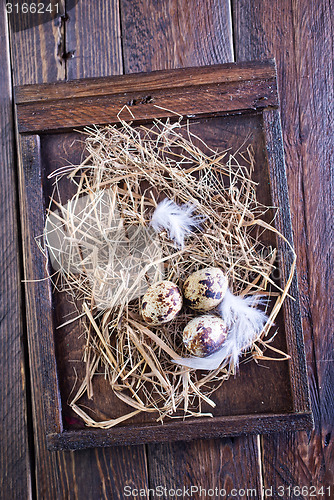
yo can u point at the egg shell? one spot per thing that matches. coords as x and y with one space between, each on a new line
205 289
161 303
204 335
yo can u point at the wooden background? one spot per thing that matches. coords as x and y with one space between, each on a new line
109 37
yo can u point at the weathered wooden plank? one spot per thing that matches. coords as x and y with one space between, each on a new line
291 308
15 477
158 36
93 39
260 70
37 49
199 428
192 100
206 469
175 34
38 320
286 31
37 291
35 54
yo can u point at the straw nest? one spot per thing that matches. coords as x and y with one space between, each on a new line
106 255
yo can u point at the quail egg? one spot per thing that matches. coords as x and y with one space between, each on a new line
204 289
204 335
161 303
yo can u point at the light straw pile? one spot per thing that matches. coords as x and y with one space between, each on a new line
106 254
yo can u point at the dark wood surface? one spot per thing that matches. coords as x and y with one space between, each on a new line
131 36
299 36
146 82
15 477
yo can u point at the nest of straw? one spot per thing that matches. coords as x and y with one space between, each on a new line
106 256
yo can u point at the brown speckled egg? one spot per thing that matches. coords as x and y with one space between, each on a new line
204 289
204 335
161 303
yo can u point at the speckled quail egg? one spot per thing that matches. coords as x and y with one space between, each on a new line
161 303
204 289
204 335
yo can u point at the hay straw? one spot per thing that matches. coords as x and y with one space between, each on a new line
94 243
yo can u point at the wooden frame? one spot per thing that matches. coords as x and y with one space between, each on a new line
227 89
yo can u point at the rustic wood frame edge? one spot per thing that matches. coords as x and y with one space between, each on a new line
41 108
203 429
37 285
291 308
144 81
40 320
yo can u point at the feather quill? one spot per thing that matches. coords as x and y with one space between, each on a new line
244 321
177 220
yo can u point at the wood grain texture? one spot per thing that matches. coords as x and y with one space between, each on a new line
37 291
200 98
292 317
158 36
93 39
193 429
15 481
39 319
210 465
299 35
38 52
145 82
167 34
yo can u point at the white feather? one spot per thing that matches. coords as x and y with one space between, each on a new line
244 321
177 220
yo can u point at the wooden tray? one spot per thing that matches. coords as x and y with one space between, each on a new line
226 105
